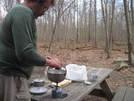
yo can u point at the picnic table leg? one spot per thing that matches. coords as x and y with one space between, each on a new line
108 93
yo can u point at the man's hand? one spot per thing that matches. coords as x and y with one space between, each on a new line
53 62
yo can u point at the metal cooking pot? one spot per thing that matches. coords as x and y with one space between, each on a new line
38 82
56 75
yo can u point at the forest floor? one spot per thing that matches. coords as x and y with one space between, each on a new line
90 57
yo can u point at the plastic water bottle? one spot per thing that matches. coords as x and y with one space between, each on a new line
46 77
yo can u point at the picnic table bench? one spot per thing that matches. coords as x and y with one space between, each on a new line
124 94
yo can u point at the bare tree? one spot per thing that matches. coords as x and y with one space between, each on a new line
95 29
77 10
0 17
111 25
132 16
132 12
90 20
8 4
57 20
126 7
105 18
108 18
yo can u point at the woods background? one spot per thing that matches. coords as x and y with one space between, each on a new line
104 23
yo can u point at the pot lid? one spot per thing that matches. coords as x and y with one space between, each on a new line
56 71
38 90
38 80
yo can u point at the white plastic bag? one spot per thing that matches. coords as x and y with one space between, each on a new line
76 72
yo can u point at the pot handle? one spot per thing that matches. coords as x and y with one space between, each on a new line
64 68
49 68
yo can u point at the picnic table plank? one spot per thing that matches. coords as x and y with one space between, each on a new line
124 94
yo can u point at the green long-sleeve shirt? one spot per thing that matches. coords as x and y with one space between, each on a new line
18 54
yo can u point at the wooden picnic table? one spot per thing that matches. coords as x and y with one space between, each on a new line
78 90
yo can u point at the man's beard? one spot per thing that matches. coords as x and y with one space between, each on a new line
35 14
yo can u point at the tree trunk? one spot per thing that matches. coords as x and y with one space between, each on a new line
95 29
105 18
128 32
90 21
111 26
132 13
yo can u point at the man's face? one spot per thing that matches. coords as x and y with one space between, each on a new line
40 9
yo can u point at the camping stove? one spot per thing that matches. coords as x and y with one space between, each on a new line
57 75
57 92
